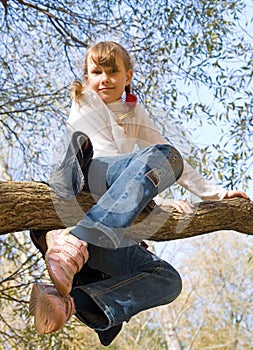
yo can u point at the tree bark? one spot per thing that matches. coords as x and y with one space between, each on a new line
32 205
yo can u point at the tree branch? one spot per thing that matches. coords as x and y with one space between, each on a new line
31 205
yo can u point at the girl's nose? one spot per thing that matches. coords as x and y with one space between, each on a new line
105 78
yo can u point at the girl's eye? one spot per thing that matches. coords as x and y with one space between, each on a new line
111 71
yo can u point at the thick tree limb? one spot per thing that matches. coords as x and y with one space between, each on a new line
31 205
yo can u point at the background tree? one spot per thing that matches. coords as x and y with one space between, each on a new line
209 314
193 66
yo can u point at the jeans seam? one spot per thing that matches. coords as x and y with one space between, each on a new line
122 283
119 284
103 306
106 310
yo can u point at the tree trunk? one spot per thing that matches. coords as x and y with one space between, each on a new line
31 205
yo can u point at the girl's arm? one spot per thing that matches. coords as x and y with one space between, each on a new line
190 178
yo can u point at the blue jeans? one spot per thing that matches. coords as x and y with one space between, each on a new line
130 279
125 185
136 280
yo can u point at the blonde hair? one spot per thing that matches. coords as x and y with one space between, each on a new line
103 54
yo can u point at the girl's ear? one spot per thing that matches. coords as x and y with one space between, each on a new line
129 76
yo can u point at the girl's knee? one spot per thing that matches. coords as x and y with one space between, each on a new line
171 155
174 158
178 284
173 282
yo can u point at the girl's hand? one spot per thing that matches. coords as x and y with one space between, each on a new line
182 206
236 193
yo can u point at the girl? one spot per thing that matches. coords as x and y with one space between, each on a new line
99 270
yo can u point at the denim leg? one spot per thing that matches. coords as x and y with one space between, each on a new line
140 280
71 159
128 183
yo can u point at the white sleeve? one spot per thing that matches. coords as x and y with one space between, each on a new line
190 178
197 184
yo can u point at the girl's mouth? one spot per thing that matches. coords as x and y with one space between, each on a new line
106 89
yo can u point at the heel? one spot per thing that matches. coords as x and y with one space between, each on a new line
33 299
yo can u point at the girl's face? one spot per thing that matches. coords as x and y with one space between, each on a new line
108 82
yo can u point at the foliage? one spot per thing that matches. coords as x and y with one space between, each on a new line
179 47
